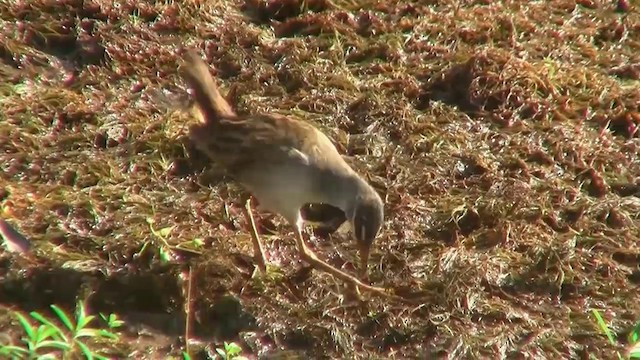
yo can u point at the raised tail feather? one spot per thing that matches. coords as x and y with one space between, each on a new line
205 91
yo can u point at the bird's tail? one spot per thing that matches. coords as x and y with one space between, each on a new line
208 99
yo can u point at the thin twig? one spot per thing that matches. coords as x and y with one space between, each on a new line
187 306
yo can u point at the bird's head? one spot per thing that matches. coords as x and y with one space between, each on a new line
366 221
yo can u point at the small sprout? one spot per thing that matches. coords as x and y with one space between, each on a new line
603 326
634 335
634 339
197 242
162 234
230 351
47 337
112 320
165 254
191 245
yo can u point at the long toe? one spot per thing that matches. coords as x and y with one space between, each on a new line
308 255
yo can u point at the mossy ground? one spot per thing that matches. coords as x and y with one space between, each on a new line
502 134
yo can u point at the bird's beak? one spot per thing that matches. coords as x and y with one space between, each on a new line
364 261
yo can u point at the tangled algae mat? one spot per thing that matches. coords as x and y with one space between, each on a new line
502 134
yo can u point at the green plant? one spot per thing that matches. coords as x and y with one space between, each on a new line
230 351
164 249
46 339
634 336
112 321
634 340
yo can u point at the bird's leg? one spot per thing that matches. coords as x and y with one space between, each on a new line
257 244
311 258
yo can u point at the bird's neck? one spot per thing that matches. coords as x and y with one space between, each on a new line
344 192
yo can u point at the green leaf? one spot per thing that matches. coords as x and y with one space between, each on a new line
47 357
634 336
221 353
13 350
107 334
86 333
59 333
634 352
114 322
111 320
142 249
56 344
81 315
84 321
164 232
26 325
85 350
80 310
30 344
45 332
232 349
603 326
63 317
164 255
161 233
185 356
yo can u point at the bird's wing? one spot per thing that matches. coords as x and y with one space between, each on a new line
264 140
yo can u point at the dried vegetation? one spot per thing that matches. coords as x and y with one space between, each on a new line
503 135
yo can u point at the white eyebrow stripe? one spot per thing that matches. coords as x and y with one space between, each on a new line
293 152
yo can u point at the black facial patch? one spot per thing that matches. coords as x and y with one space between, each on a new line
367 222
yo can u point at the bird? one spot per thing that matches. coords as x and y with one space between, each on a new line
285 163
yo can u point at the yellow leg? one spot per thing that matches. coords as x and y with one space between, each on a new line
257 244
308 255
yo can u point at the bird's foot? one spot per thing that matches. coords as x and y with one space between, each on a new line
313 260
309 256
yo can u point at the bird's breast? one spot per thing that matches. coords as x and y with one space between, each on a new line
282 189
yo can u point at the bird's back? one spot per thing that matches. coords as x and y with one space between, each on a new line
284 162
